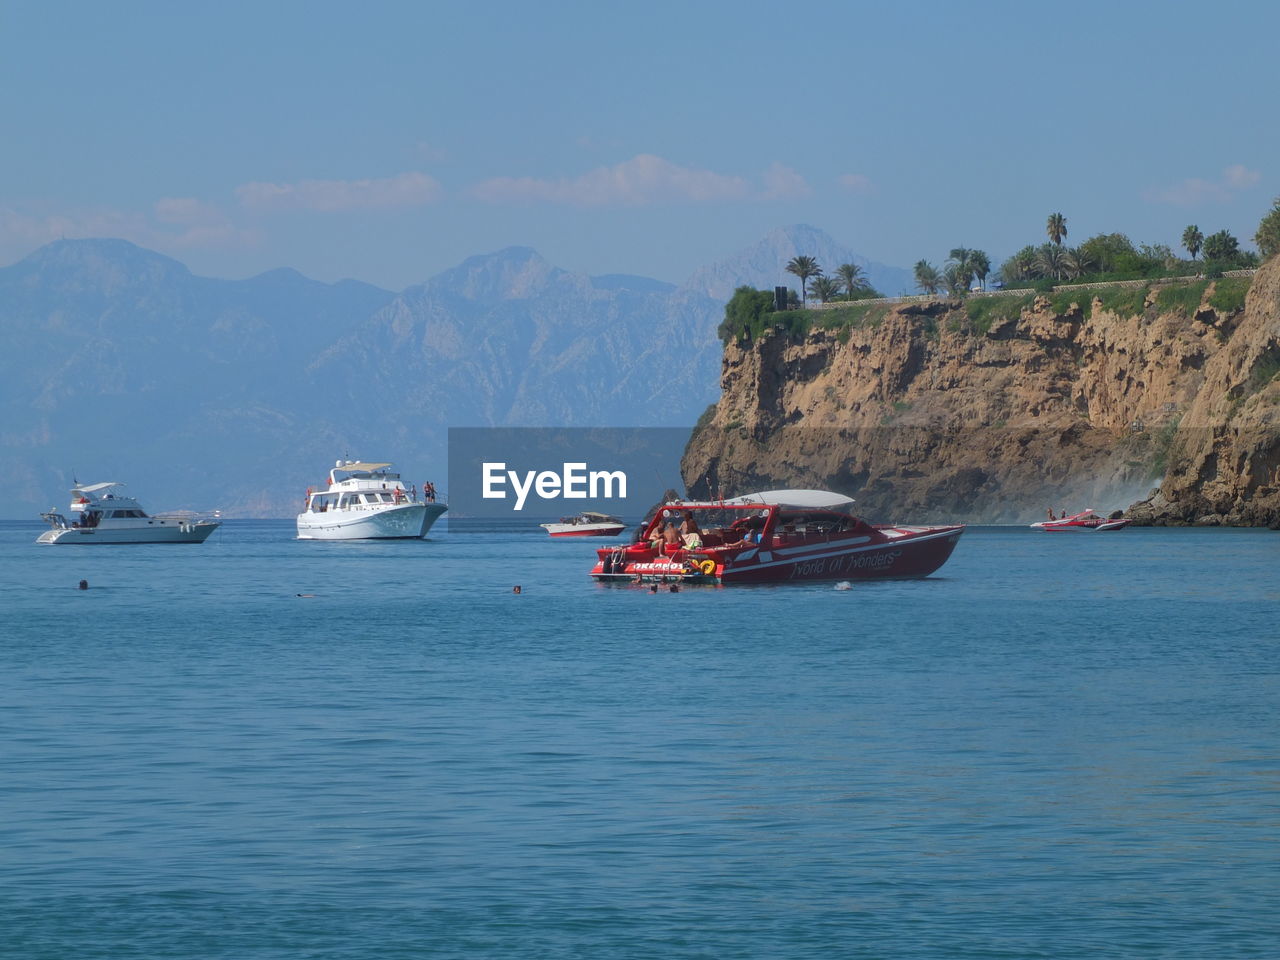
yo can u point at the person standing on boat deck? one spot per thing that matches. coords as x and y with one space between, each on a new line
1050 512
429 491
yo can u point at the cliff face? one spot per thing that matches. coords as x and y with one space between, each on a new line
920 416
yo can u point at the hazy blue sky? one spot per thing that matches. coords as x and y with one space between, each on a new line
388 141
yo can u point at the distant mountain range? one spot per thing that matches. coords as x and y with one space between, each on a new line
120 364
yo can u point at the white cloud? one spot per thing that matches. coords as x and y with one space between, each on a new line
331 196
1240 177
1196 191
642 180
854 182
781 182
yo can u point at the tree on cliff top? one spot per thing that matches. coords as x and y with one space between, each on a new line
1221 246
1192 240
981 265
1056 227
1268 236
825 288
851 276
804 268
928 278
744 312
959 267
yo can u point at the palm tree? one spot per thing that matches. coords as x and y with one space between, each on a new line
804 268
1193 240
927 277
1021 266
1077 262
1221 246
851 276
1056 226
980 263
1051 261
960 260
956 279
825 288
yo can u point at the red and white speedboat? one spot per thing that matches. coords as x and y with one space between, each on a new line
586 524
773 537
1086 520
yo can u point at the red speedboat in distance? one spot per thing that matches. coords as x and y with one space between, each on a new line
774 537
1085 520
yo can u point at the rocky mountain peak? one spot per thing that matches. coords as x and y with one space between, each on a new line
513 273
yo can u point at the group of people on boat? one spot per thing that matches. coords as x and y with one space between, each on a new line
687 534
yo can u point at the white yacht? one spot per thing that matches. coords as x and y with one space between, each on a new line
366 501
100 515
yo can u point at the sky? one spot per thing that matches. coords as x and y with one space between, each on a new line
387 141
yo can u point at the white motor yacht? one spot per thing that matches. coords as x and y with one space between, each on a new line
366 501
100 515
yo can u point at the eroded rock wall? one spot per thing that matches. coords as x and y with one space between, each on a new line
919 416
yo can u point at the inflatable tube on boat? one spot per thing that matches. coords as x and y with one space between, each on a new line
708 567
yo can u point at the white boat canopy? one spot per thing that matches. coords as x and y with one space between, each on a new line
802 499
359 466
94 487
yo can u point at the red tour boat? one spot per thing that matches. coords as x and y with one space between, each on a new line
1085 520
773 537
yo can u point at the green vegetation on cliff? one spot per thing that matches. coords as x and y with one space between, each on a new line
750 314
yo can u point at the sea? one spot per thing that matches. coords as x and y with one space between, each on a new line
1059 746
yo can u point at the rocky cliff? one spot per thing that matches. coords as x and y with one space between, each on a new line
997 409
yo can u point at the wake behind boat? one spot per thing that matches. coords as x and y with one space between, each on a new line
771 537
367 501
586 524
99 515
1085 520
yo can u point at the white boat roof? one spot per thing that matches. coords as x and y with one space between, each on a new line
359 466
804 499
95 487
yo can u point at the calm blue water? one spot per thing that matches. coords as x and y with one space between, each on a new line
1062 746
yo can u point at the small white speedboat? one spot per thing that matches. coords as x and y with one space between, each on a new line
586 524
100 515
366 501
1085 520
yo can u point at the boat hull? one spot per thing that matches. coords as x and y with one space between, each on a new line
410 521
584 529
908 553
1049 526
160 531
